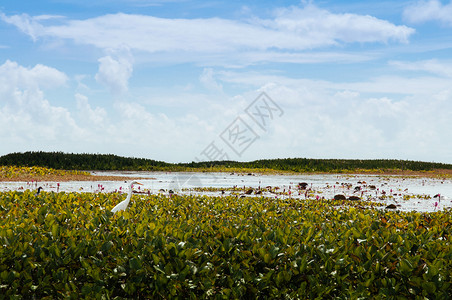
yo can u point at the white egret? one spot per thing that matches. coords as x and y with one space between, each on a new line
123 204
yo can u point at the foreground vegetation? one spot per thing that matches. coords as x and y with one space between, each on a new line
70 245
60 160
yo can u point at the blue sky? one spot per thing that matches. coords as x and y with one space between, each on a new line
183 80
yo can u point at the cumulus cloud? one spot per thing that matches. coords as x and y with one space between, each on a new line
115 70
360 126
321 119
387 117
27 117
15 76
431 10
93 118
29 121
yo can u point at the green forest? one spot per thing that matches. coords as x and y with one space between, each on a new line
85 161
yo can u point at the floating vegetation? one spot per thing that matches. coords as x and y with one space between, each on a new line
69 245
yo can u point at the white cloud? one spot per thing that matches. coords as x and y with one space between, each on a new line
433 66
145 134
292 30
321 119
330 28
92 118
388 117
40 76
346 94
385 84
431 10
295 57
358 126
29 121
115 70
208 80
27 117
28 25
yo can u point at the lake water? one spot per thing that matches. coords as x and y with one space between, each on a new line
420 191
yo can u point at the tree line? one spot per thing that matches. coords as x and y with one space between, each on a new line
326 165
83 161
86 161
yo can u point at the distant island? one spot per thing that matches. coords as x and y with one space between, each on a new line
108 162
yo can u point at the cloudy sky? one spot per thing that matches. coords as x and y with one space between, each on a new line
180 81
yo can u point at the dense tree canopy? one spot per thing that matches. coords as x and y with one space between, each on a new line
84 161
60 160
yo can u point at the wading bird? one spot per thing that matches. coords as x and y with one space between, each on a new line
39 190
123 204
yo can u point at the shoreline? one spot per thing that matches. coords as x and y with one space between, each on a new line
438 173
67 178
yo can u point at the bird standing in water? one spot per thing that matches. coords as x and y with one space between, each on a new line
39 190
123 204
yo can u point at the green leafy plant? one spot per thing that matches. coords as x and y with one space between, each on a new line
69 245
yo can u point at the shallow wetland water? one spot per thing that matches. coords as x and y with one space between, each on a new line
407 193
